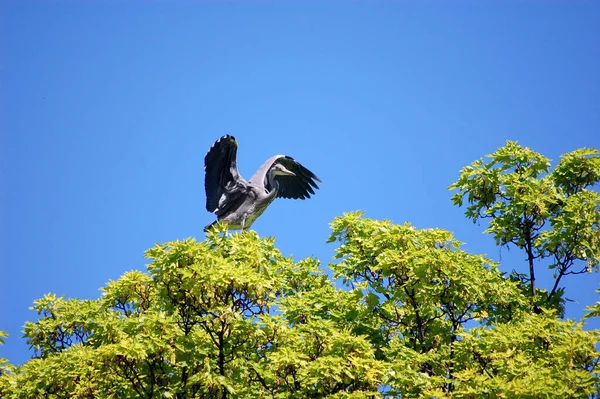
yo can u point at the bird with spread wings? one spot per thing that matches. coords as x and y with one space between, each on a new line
237 202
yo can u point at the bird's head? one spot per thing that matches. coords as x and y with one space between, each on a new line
280 170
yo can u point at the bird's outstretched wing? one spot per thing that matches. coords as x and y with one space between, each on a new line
299 186
223 183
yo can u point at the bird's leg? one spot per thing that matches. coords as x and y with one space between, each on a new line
243 224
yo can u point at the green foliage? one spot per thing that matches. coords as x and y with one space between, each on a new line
225 317
594 310
5 367
536 356
408 313
421 278
428 295
553 215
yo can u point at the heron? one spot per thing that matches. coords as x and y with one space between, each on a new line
237 202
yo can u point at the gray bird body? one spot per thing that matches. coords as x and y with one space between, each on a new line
237 202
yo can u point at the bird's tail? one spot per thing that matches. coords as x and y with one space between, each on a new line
210 225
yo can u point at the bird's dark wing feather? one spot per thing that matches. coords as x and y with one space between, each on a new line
299 186
223 183
233 199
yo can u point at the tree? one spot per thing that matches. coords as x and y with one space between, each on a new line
422 291
550 215
405 313
227 317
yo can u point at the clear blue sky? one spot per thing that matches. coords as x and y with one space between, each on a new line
108 107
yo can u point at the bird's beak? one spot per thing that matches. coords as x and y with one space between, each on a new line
287 172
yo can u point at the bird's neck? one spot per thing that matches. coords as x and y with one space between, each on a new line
273 184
